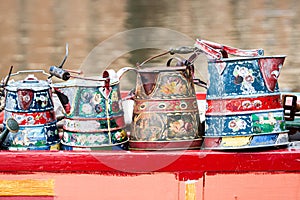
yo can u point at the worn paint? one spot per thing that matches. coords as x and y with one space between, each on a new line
29 101
165 110
132 162
235 98
190 190
93 111
27 187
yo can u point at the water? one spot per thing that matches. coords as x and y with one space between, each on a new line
34 33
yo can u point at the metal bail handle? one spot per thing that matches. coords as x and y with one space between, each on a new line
235 51
209 51
30 72
217 51
189 64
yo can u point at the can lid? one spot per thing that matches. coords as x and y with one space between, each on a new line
30 82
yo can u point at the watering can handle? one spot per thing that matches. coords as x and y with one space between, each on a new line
189 64
30 71
224 50
235 51
153 57
123 70
208 50
182 50
179 50
118 75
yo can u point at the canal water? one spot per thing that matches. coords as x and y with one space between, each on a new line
107 34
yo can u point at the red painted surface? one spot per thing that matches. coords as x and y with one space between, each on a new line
252 186
187 164
201 96
1 117
230 106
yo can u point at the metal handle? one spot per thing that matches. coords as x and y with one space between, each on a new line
182 50
65 74
30 71
209 51
232 50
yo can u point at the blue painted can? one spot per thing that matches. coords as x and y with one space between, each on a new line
29 102
243 105
35 137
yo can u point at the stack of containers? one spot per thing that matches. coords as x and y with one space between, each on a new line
244 108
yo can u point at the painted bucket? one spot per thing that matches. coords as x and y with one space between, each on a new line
94 117
244 108
29 102
165 113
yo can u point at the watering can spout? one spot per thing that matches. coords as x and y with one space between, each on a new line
11 126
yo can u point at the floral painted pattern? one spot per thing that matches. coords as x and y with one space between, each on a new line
34 118
246 124
237 124
163 127
173 85
29 101
148 127
245 78
169 112
183 126
93 139
93 104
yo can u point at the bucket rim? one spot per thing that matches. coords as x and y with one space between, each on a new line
245 58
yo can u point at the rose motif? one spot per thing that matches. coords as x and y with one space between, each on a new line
87 108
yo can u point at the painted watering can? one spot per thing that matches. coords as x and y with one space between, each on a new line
94 117
165 114
244 108
29 102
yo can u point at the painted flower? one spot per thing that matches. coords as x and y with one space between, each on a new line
101 138
232 124
168 88
174 86
237 124
120 135
30 120
91 139
246 104
73 138
86 96
114 96
249 78
243 71
42 101
81 139
97 99
245 77
177 126
87 108
257 104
